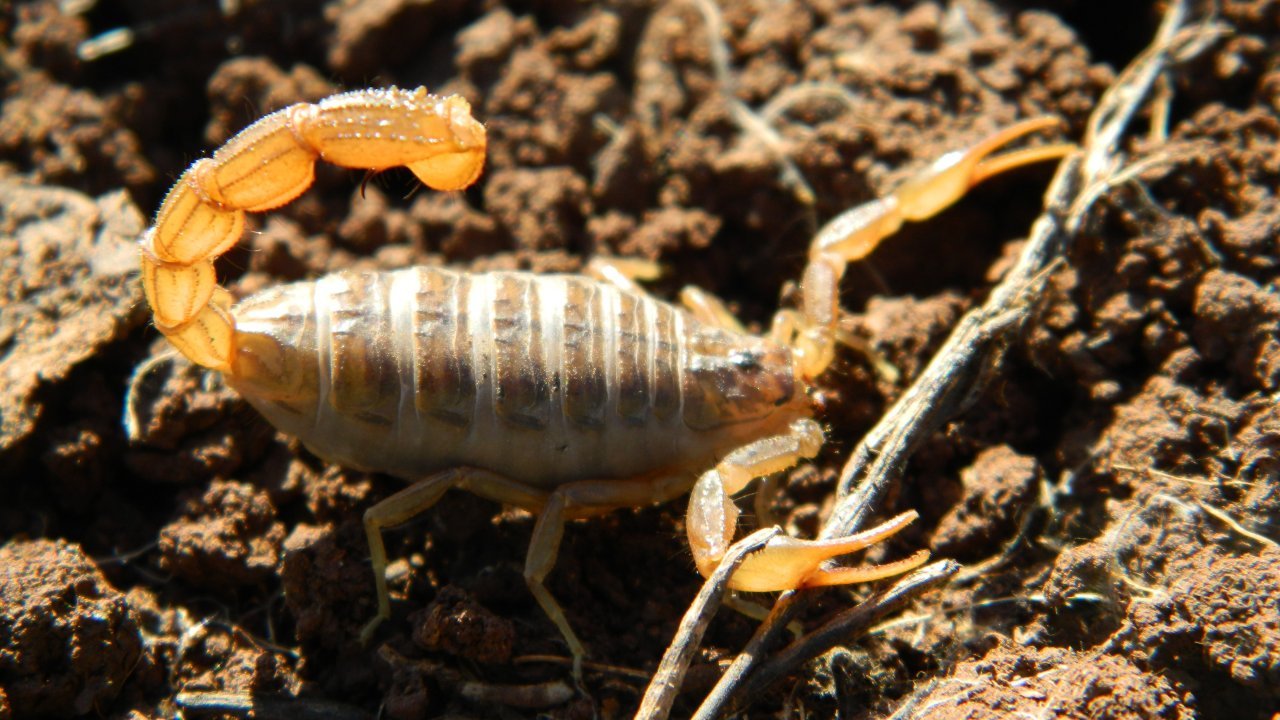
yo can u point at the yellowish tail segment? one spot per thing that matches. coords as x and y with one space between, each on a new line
269 164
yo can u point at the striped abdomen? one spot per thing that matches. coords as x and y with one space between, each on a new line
546 379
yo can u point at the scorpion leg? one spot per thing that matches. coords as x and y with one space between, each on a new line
415 500
624 272
709 309
853 234
575 500
786 563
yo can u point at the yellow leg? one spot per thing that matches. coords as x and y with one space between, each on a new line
853 234
574 500
709 309
623 272
785 563
415 500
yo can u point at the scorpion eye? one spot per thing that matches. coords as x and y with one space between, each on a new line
746 360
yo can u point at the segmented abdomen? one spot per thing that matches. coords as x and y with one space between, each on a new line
546 379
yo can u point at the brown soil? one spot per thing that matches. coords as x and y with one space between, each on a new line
1113 490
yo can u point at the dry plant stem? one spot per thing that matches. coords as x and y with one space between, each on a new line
534 696
975 346
749 121
908 708
265 707
840 629
846 625
666 682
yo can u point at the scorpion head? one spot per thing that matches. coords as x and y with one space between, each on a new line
733 378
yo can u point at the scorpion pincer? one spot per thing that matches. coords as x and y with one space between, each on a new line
564 395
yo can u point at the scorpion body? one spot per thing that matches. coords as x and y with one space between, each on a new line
546 379
568 396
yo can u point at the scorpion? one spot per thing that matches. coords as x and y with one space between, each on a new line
565 395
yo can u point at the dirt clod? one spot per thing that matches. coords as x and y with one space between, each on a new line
228 537
1011 680
456 624
68 639
328 589
997 488
1220 611
67 266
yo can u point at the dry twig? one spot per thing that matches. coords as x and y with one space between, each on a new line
531 696
662 689
749 121
846 625
266 707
